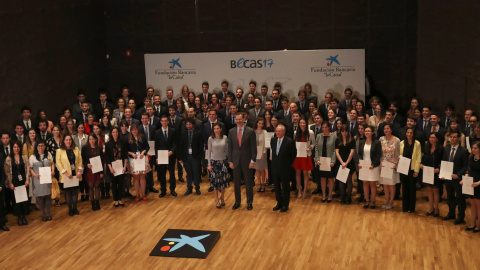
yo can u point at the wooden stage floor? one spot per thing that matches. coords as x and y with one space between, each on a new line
311 235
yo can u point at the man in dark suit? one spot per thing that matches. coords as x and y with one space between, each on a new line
43 134
242 154
353 123
3 177
153 120
230 121
99 107
424 123
165 140
264 95
205 96
256 112
459 156
198 125
285 113
19 133
397 117
388 120
148 131
340 113
77 107
449 113
418 135
27 120
128 117
435 127
468 128
325 106
169 101
239 101
276 101
203 115
302 103
252 86
158 108
6 194
284 153
224 113
146 101
176 123
225 92
374 101
348 99
83 115
190 149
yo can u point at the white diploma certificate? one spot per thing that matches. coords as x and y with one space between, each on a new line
428 175
268 138
259 151
387 170
325 164
162 156
342 174
403 166
301 149
96 163
446 170
20 194
139 164
151 151
467 185
117 166
365 173
45 175
70 182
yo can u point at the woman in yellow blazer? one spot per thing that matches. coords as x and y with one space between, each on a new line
410 148
69 165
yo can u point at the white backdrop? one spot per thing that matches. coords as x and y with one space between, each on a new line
326 70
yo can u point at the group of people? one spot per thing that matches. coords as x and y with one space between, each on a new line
253 139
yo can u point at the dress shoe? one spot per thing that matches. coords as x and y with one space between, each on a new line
429 213
381 193
4 228
20 221
324 200
284 209
198 193
204 174
97 204
210 189
94 206
470 228
459 221
44 218
277 207
82 198
249 207
116 205
189 191
49 218
448 217
293 189
76 212
273 190
236 206
154 190
70 213
25 220
181 180
174 194
316 191
161 195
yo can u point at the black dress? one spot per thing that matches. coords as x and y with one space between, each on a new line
71 158
474 171
344 151
433 160
22 208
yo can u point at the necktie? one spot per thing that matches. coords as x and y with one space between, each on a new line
317 130
433 129
28 125
275 105
295 128
173 121
239 137
103 105
256 113
278 145
233 119
84 118
165 134
7 151
452 154
212 127
228 111
158 109
151 120
239 103
190 138
43 137
447 122
351 126
129 121
146 132
425 124
301 106
205 97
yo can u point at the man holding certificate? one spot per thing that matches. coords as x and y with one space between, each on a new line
457 155
165 141
474 172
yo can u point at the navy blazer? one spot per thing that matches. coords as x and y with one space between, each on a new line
151 131
165 144
460 160
197 145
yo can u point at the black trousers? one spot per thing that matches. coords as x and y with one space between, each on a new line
455 197
282 189
192 166
409 191
242 172
162 175
117 186
9 199
3 213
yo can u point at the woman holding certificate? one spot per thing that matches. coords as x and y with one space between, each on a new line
17 170
70 165
261 163
389 160
42 159
369 153
93 150
344 150
325 148
137 150
411 149
52 146
432 158
303 163
217 163
115 151
81 139
474 172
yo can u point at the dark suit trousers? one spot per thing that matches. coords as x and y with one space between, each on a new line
282 189
117 186
409 191
242 172
3 213
455 197
192 166
162 175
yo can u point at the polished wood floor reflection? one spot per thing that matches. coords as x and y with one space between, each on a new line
311 235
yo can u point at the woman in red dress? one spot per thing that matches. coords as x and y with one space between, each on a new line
303 134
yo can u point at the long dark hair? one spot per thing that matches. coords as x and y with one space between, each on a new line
12 155
438 145
35 151
300 132
340 138
213 133
111 142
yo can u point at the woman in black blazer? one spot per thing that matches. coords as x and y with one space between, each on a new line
115 149
370 149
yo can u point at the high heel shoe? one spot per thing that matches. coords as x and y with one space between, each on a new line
430 213
223 201
137 199
372 206
259 189
217 204
366 205
145 199
299 194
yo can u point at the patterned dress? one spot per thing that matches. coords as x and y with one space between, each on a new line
390 153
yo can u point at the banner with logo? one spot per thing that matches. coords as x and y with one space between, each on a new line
325 70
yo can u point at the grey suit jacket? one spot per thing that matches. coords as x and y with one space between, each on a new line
247 152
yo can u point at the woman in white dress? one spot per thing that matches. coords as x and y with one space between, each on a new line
390 154
370 150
